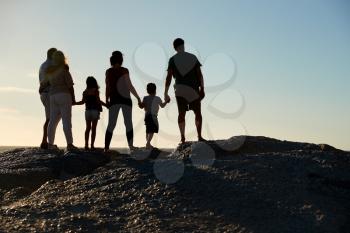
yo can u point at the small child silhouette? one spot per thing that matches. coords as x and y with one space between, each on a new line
93 105
151 105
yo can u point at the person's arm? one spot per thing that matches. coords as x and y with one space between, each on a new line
201 82
69 83
142 105
161 103
82 100
167 85
107 89
43 74
79 102
132 88
103 103
71 91
43 78
43 84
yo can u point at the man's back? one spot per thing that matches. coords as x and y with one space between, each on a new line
44 84
184 67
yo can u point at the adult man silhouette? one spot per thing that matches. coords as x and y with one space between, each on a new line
44 93
189 86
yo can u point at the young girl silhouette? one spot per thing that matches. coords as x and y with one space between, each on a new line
93 107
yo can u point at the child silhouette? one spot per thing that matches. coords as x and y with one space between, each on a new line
93 107
151 105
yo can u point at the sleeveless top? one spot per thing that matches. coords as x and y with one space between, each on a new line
118 88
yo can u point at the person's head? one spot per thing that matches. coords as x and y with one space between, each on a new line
91 83
179 44
59 59
151 88
58 62
116 58
50 53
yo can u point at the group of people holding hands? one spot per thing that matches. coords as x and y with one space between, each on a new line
57 95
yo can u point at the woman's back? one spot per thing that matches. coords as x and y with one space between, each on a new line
118 85
60 81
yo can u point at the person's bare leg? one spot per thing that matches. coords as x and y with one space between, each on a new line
149 138
127 115
87 132
198 122
44 140
93 133
182 124
55 117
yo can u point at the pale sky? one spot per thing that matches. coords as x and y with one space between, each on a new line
273 68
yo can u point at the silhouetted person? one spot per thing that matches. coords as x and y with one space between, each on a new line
93 107
189 86
61 100
44 93
118 89
151 104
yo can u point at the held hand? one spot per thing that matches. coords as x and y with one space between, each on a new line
139 103
166 98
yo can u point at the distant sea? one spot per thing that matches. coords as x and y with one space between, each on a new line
5 148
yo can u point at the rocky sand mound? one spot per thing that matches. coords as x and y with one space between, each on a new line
244 184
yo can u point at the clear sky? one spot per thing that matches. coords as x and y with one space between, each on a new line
274 68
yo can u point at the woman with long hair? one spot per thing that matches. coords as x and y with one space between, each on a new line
61 100
118 89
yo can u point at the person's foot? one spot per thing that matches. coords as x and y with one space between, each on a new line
200 139
149 146
132 148
71 147
86 147
44 145
183 140
52 147
92 147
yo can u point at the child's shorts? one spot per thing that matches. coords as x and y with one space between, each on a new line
151 122
92 115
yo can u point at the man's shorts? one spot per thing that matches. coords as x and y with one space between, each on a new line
152 124
92 115
45 99
183 105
